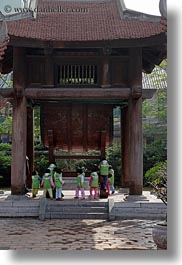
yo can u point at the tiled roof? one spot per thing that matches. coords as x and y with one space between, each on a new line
97 21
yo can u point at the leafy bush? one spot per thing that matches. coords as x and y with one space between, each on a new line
154 174
5 147
113 155
5 169
160 184
41 163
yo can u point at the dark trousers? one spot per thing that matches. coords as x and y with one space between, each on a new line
104 183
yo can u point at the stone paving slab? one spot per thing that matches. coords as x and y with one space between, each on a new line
33 234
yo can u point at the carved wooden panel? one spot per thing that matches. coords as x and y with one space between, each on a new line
76 127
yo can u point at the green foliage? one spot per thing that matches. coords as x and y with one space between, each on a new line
40 147
113 155
5 147
158 180
6 125
5 168
154 174
154 152
5 160
41 163
155 110
155 129
71 165
37 124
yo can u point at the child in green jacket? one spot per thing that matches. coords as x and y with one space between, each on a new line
94 183
111 180
58 182
47 183
35 183
80 184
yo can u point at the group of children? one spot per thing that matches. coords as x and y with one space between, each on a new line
52 179
101 177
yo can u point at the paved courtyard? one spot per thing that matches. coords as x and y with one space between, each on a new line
56 234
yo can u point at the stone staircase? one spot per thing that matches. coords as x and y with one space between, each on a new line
73 209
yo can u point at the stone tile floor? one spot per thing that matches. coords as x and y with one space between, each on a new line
33 234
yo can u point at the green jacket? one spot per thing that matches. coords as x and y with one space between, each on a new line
80 181
94 179
104 168
57 182
47 181
35 182
111 179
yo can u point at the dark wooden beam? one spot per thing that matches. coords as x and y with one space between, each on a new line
78 156
148 93
120 43
32 93
77 93
7 92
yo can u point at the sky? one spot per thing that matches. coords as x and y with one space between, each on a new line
144 6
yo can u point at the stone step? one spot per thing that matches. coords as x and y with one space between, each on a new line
76 209
56 215
83 203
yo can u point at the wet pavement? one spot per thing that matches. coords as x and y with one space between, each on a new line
56 234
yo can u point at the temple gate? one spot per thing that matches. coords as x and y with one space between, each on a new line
77 67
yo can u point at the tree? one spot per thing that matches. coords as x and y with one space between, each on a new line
155 127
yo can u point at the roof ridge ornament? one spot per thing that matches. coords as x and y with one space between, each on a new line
16 16
163 8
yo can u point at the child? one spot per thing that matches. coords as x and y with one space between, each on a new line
111 180
58 182
104 171
80 184
35 183
51 167
94 183
110 183
47 183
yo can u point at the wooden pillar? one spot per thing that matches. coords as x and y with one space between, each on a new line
124 148
49 68
106 82
103 144
132 148
51 146
131 124
30 143
19 134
